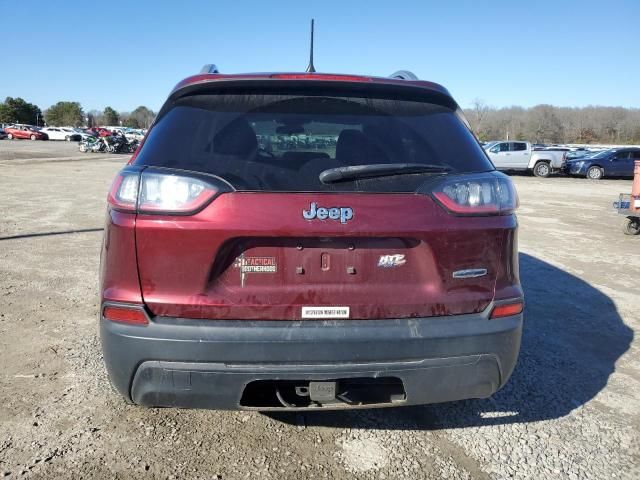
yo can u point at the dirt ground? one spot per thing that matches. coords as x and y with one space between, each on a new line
571 409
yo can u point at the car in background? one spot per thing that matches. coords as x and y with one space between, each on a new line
134 135
59 133
518 156
84 134
3 134
575 154
617 162
100 131
75 136
25 132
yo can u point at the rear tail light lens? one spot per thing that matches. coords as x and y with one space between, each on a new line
172 193
159 192
133 315
507 309
124 191
483 194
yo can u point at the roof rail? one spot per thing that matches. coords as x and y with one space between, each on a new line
209 68
404 75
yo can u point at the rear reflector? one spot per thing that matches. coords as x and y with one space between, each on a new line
507 309
133 316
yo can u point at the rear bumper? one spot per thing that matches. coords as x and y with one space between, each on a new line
208 363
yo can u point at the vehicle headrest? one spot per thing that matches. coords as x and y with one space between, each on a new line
351 148
235 138
354 148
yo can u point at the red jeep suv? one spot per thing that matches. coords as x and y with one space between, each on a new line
305 240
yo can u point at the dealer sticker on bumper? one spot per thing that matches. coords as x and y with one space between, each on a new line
325 312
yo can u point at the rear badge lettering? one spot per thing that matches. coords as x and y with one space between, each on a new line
470 273
389 261
344 214
256 264
325 312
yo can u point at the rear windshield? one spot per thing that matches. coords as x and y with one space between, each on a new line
284 142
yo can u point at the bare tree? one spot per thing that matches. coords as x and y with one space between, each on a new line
480 109
551 124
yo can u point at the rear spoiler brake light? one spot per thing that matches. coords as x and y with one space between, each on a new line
320 76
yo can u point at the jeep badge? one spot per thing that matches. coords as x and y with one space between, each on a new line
344 214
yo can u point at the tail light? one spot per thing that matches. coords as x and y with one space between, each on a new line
133 315
124 191
161 191
480 194
507 309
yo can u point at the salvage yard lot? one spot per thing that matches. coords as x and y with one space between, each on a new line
571 409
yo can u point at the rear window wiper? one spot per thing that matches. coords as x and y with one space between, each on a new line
333 175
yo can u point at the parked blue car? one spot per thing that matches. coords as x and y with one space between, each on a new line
617 162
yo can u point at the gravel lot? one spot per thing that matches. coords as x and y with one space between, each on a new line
571 409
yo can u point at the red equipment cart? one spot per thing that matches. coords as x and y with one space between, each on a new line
629 205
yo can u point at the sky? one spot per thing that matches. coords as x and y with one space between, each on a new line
125 54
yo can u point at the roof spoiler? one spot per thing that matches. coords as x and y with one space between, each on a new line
399 75
404 75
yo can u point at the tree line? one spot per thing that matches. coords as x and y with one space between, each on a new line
551 124
17 110
539 124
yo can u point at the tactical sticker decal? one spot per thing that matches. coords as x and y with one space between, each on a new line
256 264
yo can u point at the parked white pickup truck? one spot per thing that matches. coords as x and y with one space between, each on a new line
510 155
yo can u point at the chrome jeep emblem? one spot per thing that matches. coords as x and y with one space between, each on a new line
344 214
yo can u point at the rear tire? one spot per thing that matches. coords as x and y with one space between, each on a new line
67 138
10 136
631 226
542 169
595 173
32 137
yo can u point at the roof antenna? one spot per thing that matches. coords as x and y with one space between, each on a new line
311 68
